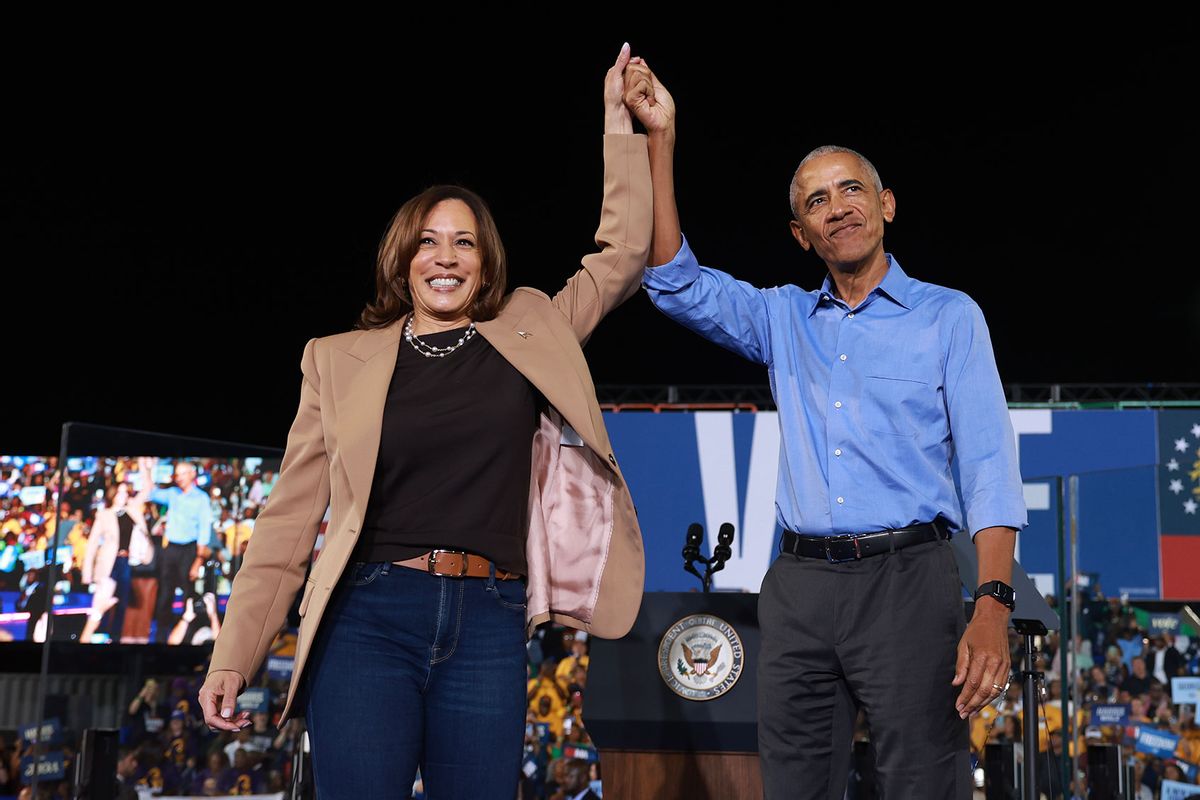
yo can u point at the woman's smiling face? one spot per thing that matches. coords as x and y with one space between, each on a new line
447 271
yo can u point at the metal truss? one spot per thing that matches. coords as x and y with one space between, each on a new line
757 397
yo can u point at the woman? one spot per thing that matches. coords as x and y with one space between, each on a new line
448 539
118 541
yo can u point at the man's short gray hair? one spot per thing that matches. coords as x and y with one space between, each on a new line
825 150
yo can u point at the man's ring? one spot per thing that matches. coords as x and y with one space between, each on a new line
997 687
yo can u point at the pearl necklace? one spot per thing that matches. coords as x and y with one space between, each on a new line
428 350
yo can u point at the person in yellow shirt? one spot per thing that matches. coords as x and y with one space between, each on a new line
77 538
1188 748
578 658
981 724
547 713
1049 718
545 685
11 525
237 533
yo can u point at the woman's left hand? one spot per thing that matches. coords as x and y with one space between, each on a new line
616 115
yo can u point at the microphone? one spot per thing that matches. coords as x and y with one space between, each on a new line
691 545
722 552
691 549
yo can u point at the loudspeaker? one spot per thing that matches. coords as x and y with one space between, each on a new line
1104 772
1000 771
96 767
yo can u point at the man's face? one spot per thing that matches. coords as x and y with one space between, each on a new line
185 475
1139 667
841 213
127 766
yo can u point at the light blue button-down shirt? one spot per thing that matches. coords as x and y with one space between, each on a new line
189 514
875 402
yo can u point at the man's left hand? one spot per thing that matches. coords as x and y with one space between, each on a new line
983 658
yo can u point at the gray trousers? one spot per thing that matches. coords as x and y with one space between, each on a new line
879 634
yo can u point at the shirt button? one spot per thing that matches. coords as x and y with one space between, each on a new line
841 499
842 356
838 452
850 315
837 404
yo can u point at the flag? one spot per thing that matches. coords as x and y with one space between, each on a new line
1179 501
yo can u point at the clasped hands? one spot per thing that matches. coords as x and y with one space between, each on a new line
632 89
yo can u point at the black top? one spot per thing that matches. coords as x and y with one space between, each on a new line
454 456
125 527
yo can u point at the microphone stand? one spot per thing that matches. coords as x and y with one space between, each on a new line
1030 628
721 553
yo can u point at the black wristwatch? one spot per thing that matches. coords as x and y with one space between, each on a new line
998 590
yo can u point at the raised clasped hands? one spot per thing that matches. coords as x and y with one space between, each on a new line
631 88
648 99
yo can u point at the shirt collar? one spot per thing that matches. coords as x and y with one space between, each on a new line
894 286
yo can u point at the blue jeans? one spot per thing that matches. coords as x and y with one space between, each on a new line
409 669
121 576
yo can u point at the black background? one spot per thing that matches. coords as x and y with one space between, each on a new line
177 217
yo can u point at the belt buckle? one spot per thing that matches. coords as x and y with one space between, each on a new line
430 566
829 554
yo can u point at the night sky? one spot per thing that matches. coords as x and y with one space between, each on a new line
189 217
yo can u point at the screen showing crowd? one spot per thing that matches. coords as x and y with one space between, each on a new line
147 547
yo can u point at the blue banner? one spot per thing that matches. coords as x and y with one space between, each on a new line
580 751
280 668
51 767
1164 623
1156 742
1110 715
255 699
51 731
1185 690
714 466
1174 790
1189 770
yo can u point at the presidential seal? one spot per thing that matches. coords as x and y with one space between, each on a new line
700 657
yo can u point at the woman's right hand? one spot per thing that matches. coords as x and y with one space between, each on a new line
616 115
218 699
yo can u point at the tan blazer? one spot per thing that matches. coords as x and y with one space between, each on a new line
584 547
104 539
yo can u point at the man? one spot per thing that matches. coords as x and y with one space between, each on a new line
881 382
1138 682
189 525
127 768
576 783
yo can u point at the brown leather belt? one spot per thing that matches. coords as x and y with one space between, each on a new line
456 564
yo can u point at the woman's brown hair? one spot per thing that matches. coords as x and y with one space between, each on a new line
399 245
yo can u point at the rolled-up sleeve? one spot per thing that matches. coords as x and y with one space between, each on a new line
981 428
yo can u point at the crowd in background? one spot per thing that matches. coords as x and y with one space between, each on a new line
1115 661
117 528
165 747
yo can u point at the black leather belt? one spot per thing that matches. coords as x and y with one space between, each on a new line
856 546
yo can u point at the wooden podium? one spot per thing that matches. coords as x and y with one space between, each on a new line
655 743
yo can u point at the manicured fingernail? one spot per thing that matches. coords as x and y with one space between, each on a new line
226 713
